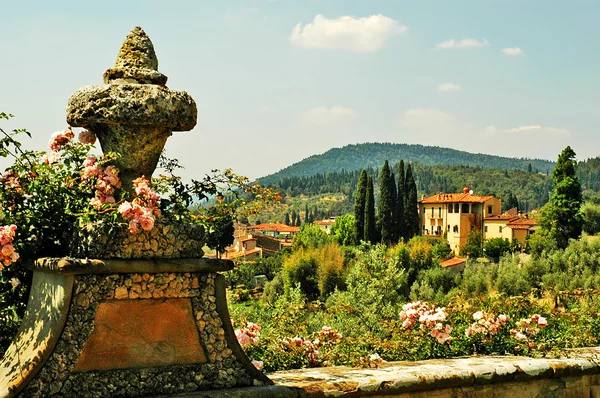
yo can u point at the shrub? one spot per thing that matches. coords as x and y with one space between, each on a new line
496 247
310 237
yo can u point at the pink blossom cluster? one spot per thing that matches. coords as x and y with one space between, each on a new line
87 137
311 348
258 364
60 139
10 180
486 324
143 209
428 317
8 255
329 333
51 157
528 327
248 335
107 180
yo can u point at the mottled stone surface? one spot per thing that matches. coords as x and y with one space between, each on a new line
165 240
141 333
222 368
134 113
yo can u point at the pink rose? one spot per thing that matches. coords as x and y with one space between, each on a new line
87 137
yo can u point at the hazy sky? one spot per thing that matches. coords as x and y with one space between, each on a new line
276 81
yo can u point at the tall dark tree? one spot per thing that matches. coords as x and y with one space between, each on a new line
563 217
384 209
286 220
360 197
394 221
306 215
370 232
411 214
294 217
529 168
401 199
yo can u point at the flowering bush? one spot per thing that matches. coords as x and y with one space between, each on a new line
43 195
430 318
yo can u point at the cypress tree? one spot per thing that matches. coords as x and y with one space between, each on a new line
306 216
395 225
360 197
286 221
370 233
401 199
294 217
411 214
384 209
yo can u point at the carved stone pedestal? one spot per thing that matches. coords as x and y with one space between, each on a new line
126 328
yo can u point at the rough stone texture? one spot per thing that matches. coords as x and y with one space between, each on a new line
222 369
134 113
136 62
165 240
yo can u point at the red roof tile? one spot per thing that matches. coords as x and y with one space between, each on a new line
455 198
453 261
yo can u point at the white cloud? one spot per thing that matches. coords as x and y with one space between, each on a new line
513 51
328 115
448 87
366 34
431 126
464 43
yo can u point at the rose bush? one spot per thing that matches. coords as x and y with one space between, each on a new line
45 194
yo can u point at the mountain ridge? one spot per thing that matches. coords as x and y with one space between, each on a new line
373 154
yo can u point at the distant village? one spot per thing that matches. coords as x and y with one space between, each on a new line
449 216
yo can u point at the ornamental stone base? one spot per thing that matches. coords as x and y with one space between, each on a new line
126 328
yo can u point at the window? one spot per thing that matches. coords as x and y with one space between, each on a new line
455 229
465 208
490 210
448 228
431 211
450 208
456 208
485 228
440 212
500 229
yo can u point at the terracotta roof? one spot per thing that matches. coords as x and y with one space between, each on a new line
324 222
274 227
522 223
245 253
455 198
453 261
247 239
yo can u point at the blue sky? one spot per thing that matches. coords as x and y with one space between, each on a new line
276 81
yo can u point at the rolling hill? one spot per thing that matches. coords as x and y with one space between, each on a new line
358 156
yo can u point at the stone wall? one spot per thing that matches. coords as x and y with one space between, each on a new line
575 375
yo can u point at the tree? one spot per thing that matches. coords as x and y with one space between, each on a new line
310 236
370 232
394 220
384 210
496 247
411 213
591 218
360 197
286 220
294 217
529 169
474 246
344 229
400 199
221 234
562 216
306 215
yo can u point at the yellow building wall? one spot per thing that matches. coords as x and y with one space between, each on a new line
493 230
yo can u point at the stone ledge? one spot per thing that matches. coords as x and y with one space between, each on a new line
76 266
576 374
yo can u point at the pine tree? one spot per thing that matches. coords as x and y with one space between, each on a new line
563 218
411 213
360 197
395 224
370 232
384 209
401 199
286 221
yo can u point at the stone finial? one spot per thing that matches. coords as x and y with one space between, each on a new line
133 113
136 62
